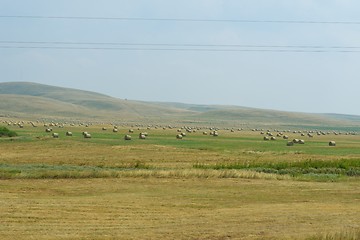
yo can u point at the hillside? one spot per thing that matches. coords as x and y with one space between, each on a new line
21 98
34 100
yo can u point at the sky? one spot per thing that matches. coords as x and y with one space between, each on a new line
284 77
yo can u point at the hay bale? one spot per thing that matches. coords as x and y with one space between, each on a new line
87 135
127 137
55 135
179 136
332 143
69 134
290 143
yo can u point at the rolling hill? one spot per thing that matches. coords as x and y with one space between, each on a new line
33 100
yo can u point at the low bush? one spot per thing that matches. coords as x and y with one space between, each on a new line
5 132
345 167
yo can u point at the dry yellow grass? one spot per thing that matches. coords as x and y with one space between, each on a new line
171 199
153 208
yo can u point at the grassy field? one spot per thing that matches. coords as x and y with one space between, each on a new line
234 186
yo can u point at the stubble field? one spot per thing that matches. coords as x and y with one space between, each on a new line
233 186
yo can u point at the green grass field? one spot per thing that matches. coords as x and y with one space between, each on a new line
234 186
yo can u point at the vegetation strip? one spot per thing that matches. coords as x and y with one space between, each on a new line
42 171
5 132
63 171
343 167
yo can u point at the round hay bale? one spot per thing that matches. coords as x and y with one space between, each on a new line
115 130
295 140
55 135
215 134
69 134
127 137
301 141
179 136
205 133
266 138
332 143
285 137
142 136
87 135
131 131
290 143
273 138
104 128
48 130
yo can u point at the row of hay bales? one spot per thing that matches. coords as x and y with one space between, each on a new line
270 136
142 135
282 134
213 130
213 133
61 124
309 133
294 141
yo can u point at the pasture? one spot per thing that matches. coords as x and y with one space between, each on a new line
231 186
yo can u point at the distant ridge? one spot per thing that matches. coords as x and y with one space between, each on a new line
34 100
37 89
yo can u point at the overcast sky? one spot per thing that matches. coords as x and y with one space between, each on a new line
322 82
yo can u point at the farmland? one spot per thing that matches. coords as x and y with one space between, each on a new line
232 186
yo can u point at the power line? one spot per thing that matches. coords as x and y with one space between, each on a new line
178 44
184 49
182 19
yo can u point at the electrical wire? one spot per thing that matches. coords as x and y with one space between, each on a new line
183 19
180 45
182 49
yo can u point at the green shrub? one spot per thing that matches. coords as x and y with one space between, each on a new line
5 132
344 167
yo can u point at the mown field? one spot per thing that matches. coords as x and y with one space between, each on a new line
233 186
